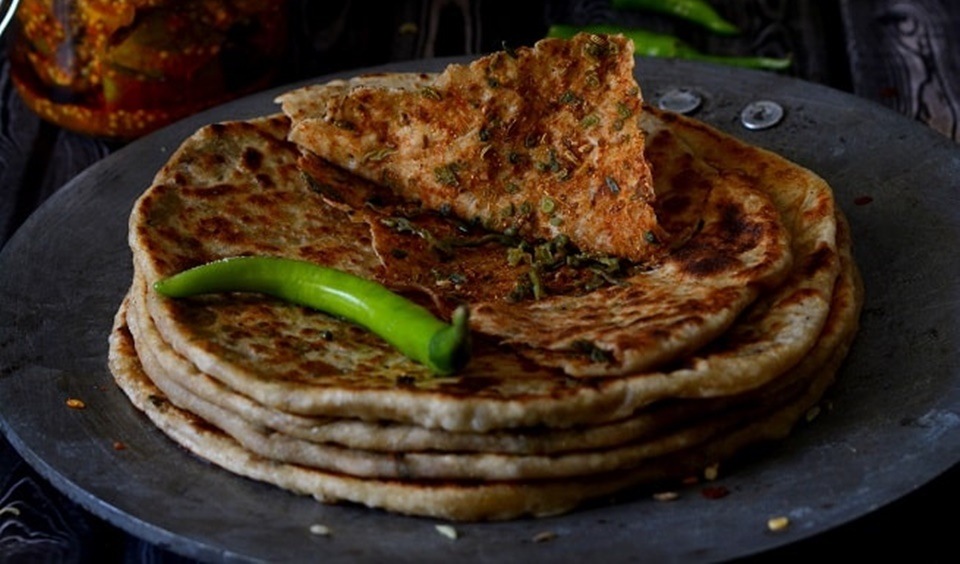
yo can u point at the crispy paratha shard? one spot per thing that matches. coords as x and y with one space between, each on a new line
542 141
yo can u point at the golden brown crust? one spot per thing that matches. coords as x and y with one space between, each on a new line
542 141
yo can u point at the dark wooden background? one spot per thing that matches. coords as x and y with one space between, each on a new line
902 54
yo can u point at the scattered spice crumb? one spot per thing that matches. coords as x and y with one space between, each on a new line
862 200
117 445
711 472
544 536
690 480
666 496
778 523
447 531
74 403
320 530
812 413
715 492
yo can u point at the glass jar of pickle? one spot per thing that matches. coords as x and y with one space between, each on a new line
122 68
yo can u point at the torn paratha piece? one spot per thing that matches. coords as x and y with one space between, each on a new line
539 141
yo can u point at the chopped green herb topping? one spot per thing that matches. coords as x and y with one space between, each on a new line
447 175
551 164
515 255
548 256
378 155
569 98
404 225
547 205
535 284
599 48
431 93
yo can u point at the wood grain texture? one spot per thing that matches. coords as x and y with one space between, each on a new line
38 524
906 55
36 158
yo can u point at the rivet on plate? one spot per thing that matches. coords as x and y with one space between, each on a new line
761 114
680 100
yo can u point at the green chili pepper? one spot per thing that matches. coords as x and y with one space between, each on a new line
658 45
696 11
410 328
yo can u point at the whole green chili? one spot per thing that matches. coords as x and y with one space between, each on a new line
659 45
414 331
697 11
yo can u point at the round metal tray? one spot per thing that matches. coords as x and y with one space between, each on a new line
892 421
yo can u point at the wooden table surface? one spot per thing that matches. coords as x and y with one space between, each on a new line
903 55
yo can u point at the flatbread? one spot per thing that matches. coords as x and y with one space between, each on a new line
434 462
292 366
470 501
548 130
253 199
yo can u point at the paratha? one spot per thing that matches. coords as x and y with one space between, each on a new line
500 389
432 461
253 199
473 500
548 131
599 363
163 364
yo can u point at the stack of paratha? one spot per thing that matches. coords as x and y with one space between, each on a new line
637 316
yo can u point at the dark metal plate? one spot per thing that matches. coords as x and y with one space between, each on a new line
893 421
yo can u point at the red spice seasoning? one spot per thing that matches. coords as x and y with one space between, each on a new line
715 492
